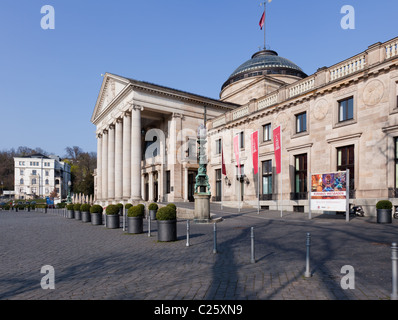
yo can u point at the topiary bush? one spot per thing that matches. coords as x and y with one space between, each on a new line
77 206
96 209
128 206
136 211
384 204
172 205
153 206
112 209
85 207
68 206
166 213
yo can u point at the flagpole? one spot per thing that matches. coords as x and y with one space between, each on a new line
265 19
258 174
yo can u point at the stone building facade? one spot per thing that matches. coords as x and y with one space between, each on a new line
341 117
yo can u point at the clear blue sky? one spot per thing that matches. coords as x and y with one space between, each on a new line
50 79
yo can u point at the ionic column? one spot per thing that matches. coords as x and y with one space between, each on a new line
104 166
126 156
111 163
136 153
119 160
99 167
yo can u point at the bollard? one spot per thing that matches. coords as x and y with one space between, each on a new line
253 259
215 238
394 258
149 225
187 233
307 267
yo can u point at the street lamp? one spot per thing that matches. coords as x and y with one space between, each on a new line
69 199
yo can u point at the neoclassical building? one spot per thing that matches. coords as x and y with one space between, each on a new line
341 117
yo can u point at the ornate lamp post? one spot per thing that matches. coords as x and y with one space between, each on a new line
202 186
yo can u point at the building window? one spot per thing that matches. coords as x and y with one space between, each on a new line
267 132
34 190
300 177
218 185
242 140
346 109
346 160
21 172
34 172
218 146
34 181
396 164
168 182
47 182
21 181
301 122
267 179
191 151
47 173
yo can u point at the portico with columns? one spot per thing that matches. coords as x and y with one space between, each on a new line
146 140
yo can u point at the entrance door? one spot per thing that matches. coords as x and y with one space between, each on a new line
191 185
155 187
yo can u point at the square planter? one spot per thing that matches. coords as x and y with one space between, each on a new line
96 219
112 221
135 225
167 230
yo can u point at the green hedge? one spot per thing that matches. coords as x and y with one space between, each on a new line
136 211
85 207
112 209
166 213
77 206
69 207
96 209
384 204
153 206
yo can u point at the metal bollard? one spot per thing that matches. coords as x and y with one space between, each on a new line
187 233
394 259
215 238
149 225
307 273
253 259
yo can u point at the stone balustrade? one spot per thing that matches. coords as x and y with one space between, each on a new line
302 86
348 67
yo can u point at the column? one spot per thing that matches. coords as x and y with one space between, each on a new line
126 156
99 167
104 166
119 160
136 153
185 183
111 163
151 193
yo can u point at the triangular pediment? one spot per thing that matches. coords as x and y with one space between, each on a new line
112 87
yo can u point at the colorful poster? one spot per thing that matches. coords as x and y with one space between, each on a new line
329 191
278 149
254 137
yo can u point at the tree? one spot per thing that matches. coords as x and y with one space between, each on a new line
54 193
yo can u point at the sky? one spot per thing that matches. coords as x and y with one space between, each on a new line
50 78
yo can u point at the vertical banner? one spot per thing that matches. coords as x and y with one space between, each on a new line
236 151
278 149
223 168
254 141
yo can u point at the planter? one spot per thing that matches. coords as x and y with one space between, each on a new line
112 221
384 215
152 214
96 218
167 230
135 225
78 215
71 214
86 217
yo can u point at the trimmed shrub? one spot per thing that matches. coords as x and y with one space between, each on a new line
166 213
384 204
69 206
172 205
128 206
77 206
136 211
85 207
96 209
112 209
153 206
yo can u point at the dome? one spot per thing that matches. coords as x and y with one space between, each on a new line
265 62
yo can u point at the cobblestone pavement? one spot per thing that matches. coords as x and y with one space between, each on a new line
93 262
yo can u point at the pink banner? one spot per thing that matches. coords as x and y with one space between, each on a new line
236 151
254 137
278 149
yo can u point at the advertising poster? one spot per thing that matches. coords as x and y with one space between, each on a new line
329 191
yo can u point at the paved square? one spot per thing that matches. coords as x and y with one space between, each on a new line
93 262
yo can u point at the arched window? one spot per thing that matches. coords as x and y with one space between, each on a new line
21 181
47 182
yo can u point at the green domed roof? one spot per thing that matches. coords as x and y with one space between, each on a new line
265 62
